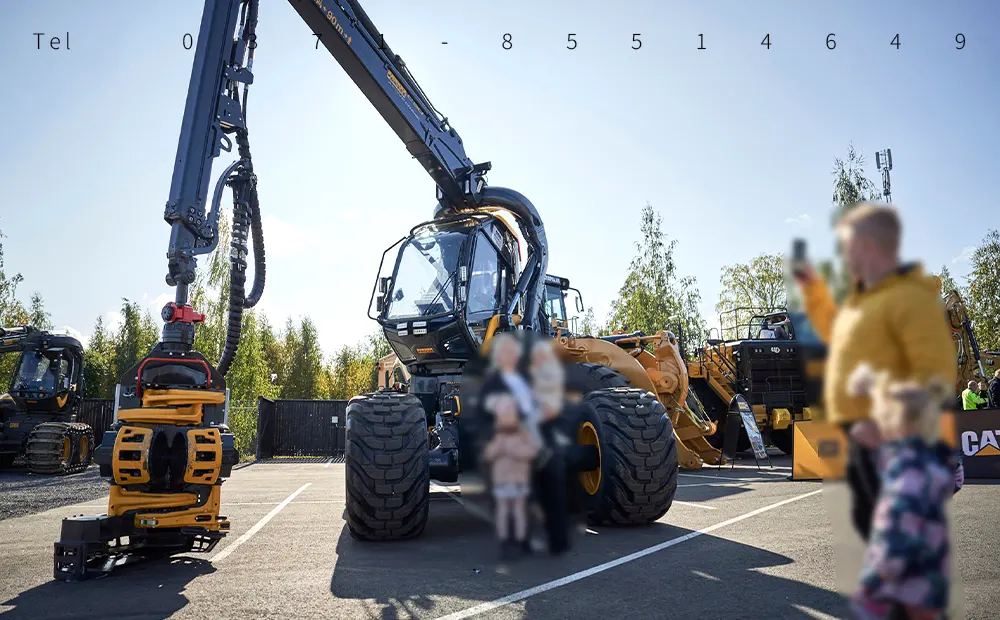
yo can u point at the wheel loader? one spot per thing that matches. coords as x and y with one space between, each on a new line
764 365
38 414
690 421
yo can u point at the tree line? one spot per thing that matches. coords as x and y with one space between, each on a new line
654 296
290 363
274 363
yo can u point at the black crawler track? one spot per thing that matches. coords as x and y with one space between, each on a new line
44 451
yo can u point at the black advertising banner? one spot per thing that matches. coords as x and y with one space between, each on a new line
979 439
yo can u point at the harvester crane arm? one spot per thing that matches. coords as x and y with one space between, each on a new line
215 108
173 401
17 339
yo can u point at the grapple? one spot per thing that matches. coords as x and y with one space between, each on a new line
165 456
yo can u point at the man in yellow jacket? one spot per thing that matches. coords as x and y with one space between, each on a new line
894 319
971 400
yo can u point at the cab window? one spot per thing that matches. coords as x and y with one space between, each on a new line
484 280
555 304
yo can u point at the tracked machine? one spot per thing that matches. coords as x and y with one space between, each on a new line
170 449
38 414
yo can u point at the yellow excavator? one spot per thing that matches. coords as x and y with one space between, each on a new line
973 364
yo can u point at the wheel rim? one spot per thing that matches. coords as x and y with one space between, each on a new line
67 448
591 479
84 448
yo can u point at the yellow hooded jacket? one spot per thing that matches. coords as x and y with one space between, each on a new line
899 325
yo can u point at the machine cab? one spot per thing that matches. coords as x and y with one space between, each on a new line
556 291
45 379
451 278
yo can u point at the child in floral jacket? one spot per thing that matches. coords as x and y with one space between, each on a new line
906 564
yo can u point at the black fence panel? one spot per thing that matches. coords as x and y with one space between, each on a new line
98 413
300 427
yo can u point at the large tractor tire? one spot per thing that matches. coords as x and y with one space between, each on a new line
7 460
584 377
637 478
59 448
387 467
784 440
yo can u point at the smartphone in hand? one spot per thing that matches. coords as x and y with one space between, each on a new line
799 260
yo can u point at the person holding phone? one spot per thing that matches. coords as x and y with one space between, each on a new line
893 319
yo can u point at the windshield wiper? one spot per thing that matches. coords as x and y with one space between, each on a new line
441 291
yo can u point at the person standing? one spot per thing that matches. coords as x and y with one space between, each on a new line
971 400
994 391
893 318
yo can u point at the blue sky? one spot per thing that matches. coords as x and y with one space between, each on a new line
732 144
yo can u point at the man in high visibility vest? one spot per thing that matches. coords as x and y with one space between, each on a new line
971 398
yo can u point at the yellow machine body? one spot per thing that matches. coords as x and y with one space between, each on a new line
714 366
821 448
178 412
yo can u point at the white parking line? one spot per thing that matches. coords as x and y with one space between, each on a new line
695 505
545 587
257 526
726 478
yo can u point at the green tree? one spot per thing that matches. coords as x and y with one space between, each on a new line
982 296
948 283
588 327
12 313
37 316
352 373
850 187
274 353
305 361
653 297
99 363
137 335
748 288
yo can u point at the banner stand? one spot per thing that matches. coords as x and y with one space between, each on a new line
741 416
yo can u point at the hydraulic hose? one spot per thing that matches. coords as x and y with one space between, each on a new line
246 220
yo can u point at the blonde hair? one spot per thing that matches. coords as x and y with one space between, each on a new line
878 222
498 342
996 375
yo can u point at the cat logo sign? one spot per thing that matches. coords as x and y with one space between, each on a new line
980 443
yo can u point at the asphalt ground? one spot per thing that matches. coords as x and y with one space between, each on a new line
737 543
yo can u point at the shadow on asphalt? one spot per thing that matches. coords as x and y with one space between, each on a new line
704 491
148 590
456 558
